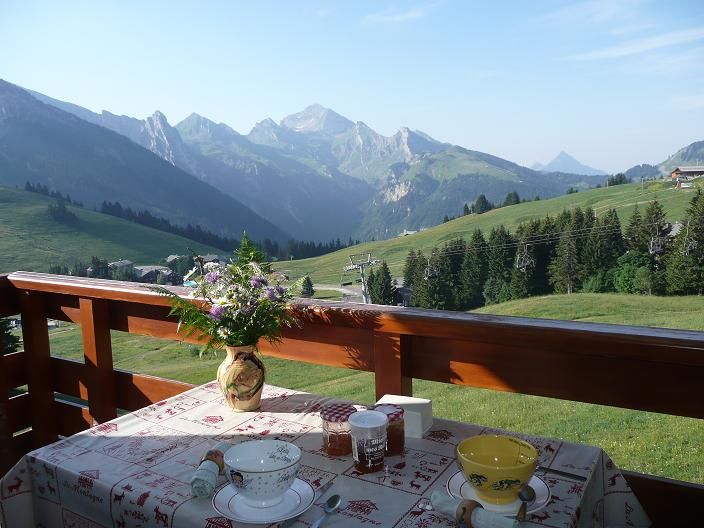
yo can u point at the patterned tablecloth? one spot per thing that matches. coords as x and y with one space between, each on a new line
134 471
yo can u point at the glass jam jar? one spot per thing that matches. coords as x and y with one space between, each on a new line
336 429
396 431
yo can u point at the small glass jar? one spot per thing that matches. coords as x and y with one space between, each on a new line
368 430
396 431
336 428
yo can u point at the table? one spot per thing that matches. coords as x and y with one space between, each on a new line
134 471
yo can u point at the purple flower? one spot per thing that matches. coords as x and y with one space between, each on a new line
216 312
280 290
258 282
270 294
212 277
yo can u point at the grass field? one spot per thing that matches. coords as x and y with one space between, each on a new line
642 310
30 240
328 268
639 441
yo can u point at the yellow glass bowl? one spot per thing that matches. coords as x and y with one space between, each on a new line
497 465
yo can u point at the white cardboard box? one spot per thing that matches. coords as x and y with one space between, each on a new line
418 413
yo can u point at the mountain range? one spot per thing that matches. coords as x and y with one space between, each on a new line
43 144
563 162
315 175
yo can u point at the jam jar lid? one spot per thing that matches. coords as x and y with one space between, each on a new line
337 412
393 412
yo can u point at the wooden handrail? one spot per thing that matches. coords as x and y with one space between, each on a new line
641 368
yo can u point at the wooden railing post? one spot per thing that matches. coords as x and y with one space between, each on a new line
390 351
6 457
97 353
35 335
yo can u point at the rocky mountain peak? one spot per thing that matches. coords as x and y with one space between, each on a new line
317 119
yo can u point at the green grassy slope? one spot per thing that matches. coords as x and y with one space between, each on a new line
633 439
686 313
31 240
328 268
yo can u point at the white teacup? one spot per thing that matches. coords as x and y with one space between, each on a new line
262 470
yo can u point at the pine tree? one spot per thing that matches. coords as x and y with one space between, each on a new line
307 289
248 251
381 289
465 210
8 341
372 286
685 263
473 273
635 236
512 198
501 253
615 246
482 205
440 294
420 281
409 269
564 269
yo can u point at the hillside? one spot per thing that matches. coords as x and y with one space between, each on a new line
43 144
328 268
30 240
641 310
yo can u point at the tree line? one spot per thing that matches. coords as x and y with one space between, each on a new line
571 252
272 249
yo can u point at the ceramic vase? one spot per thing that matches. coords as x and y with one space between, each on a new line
241 378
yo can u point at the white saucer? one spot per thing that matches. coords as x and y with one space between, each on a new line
459 488
297 499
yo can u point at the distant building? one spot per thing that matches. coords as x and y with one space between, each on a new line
120 264
406 232
685 173
152 273
171 258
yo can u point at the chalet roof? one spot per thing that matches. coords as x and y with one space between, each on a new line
144 270
119 263
691 168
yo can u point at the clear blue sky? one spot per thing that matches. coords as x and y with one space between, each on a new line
614 83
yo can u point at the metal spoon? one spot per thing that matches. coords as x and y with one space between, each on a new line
527 495
331 506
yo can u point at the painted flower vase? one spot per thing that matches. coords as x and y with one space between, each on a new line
241 378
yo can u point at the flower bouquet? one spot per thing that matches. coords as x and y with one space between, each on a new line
240 303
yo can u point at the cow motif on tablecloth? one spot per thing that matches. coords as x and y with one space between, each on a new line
151 446
413 472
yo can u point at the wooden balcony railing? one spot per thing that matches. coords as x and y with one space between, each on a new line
647 369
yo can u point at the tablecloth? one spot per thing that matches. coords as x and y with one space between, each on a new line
134 471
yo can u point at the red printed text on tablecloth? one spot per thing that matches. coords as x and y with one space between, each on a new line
422 516
146 498
413 472
165 410
73 520
263 426
314 476
151 446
